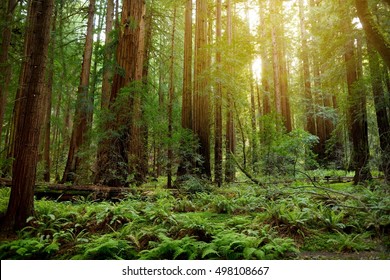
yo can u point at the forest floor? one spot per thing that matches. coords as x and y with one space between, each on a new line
199 221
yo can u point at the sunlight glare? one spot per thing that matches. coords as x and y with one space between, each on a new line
256 69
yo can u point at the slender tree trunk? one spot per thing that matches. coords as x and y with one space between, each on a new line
32 90
47 123
218 101
230 130
170 103
282 103
186 161
275 13
95 75
201 97
107 63
83 105
5 66
380 110
310 121
320 122
265 63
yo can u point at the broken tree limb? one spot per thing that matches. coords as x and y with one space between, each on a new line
247 173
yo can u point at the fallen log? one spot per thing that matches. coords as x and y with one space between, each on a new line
94 192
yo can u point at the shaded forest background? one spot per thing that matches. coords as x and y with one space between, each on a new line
118 93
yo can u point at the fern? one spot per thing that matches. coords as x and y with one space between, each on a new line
186 248
106 247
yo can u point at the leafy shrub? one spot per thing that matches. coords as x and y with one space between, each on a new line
193 184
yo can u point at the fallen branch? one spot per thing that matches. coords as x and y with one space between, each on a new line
246 172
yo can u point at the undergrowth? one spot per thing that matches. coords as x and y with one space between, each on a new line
234 222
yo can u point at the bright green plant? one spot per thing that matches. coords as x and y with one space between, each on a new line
30 248
186 248
350 242
105 248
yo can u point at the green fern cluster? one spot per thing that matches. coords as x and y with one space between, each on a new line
30 248
106 247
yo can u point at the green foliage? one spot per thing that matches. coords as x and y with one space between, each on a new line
236 222
350 242
4 197
284 154
30 248
193 184
105 248
174 249
232 245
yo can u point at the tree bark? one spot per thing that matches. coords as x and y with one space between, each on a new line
380 110
186 160
265 64
32 90
230 130
83 105
5 66
310 121
48 104
373 31
218 101
123 149
201 121
357 115
107 63
170 103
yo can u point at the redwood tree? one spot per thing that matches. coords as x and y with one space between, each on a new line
357 114
29 119
200 121
122 150
5 66
230 131
82 104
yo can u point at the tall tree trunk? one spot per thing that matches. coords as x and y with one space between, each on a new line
201 97
265 63
48 104
122 151
83 105
275 14
218 101
357 114
170 103
186 109
32 90
319 148
230 130
282 103
95 73
137 148
286 110
380 110
310 121
5 66
107 63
